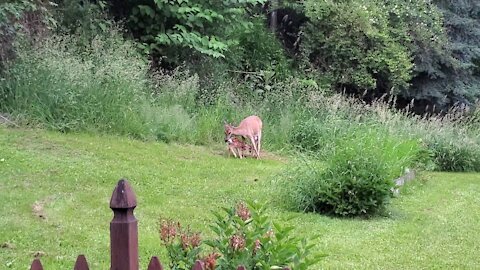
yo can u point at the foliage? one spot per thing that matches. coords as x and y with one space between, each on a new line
318 135
167 26
244 236
85 19
25 18
344 41
447 75
421 50
183 246
356 178
262 53
461 155
67 88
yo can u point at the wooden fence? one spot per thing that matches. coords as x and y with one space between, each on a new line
123 236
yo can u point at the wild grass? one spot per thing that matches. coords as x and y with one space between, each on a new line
107 87
56 85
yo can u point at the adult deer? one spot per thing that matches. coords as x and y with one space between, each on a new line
251 128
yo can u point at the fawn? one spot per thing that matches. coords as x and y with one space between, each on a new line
237 147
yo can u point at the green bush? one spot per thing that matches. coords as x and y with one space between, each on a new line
264 52
22 20
355 179
243 236
343 41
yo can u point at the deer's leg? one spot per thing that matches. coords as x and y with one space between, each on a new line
233 151
252 139
259 138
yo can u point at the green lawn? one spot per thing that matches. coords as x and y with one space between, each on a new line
55 191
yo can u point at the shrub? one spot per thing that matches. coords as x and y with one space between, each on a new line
183 245
355 179
262 53
27 20
243 236
343 41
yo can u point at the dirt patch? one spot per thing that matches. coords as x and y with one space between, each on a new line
38 208
263 155
37 254
7 245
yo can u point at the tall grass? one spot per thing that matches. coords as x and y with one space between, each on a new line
106 86
100 88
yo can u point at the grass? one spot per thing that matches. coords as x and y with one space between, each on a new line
119 94
68 179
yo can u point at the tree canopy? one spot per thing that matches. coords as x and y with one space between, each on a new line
425 51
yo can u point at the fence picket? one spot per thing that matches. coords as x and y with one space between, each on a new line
198 265
81 263
36 265
155 264
123 228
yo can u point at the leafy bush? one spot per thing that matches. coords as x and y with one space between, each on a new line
355 179
244 236
175 27
85 19
28 19
342 40
183 245
262 53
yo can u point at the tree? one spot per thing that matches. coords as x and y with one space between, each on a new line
355 44
452 76
165 26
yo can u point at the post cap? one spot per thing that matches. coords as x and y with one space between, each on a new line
123 196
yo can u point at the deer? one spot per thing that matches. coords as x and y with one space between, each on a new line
237 146
251 128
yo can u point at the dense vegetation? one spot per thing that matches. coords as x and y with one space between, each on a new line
355 92
175 70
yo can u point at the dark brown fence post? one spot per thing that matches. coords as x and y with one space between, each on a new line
123 229
36 265
81 263
198 265
155 264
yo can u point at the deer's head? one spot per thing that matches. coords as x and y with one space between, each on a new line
228 131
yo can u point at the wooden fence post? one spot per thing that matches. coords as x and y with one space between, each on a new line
154 264
36 265
81 263
198 265
123 229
